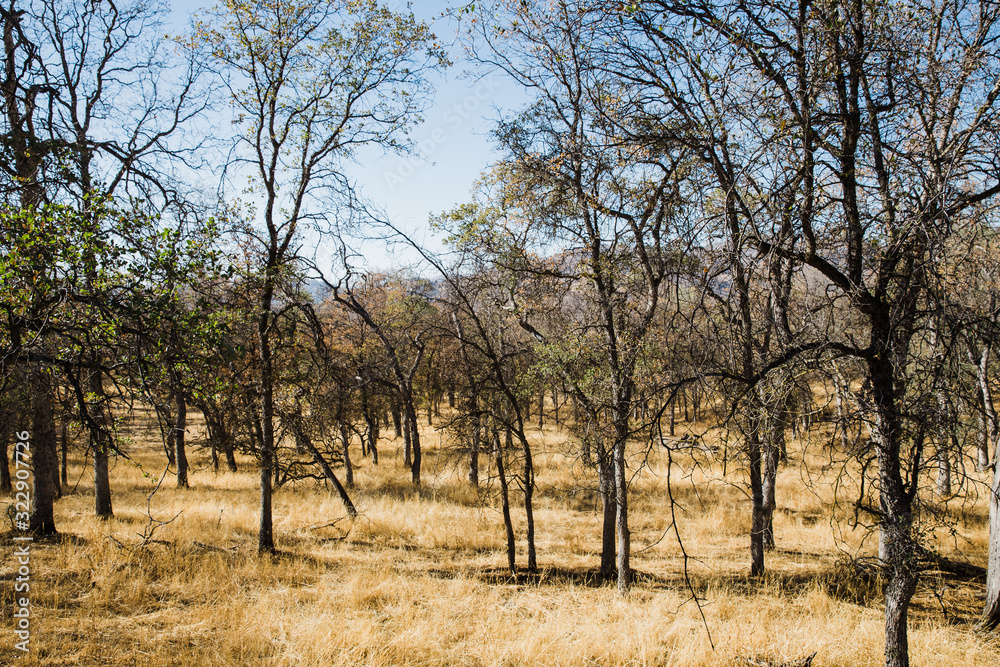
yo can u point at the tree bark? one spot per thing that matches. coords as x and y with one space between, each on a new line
169 447
371 421
769 483
991 610
621 517
5 485
64 472
265 536
180 428
897 549
474 442
411 419
407 446
44 460
345 440
100 441
505 503
528 481
757 519
990 435
541 410
328 471
609 505
397 419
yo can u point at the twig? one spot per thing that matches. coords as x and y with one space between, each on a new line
680 543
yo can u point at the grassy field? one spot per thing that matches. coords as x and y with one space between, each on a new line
419 577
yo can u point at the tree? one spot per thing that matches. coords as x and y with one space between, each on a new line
879 117
83 147
609 206
397 318
309 83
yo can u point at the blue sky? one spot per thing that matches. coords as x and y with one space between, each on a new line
453 143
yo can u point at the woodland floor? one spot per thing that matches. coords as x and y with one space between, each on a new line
419 578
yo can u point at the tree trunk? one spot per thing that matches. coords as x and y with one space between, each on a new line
897 550
541 410
474 445
769 482
372 432
609 505
180 429
943 472
991 610
213 442
989 410
407 450
5 485
328 471
169 447
100 441
898 592
757 519
345 440
397 419
411 418
505 504
64 472
265 536
529 488
621 517
44 459
673 416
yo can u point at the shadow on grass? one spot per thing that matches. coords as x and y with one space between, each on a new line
11 537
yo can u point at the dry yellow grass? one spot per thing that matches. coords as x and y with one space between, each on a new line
418 578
